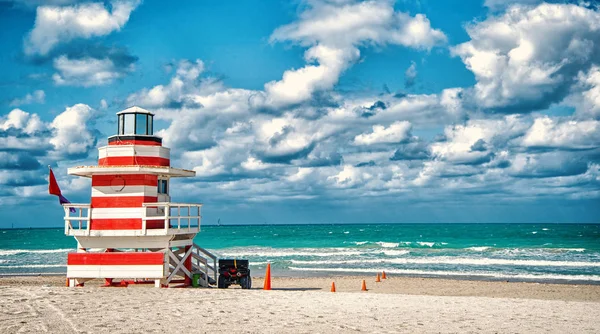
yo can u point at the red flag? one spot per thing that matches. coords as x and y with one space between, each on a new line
53 188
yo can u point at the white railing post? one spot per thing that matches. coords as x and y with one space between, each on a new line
144 218
167 215
67 221
89 219
80 217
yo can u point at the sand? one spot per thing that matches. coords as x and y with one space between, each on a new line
302 305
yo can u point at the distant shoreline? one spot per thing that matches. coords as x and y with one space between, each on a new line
336 224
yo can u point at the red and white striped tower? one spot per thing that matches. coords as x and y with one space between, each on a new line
130 230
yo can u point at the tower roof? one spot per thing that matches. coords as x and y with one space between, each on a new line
135 109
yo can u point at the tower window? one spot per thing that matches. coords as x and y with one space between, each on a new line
129 124
121 125
136 121
163 187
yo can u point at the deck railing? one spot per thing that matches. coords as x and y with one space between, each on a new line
77 217
177 217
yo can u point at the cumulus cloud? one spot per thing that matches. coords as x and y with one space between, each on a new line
397 132
546 165
181 89
474 142
21 121
61 24
347 23
37 96
586 95
71 136
566 134
299 85
285 142
67 136
87 72
334 32
27 143
529 57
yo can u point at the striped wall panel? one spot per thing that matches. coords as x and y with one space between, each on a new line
132 150
117 202
118 155
124 180
118 224
121 201
116 265
133 161
127 191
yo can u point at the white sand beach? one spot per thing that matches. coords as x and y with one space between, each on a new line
301 305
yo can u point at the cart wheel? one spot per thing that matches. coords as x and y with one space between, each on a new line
246 282
221 284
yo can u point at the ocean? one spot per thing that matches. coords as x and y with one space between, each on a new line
564 253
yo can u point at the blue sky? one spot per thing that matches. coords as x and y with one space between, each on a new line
317 111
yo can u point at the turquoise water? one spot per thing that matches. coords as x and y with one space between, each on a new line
526 252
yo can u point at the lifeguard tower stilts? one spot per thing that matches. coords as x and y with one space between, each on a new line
131 232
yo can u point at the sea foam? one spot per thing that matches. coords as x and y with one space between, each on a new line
9 252
437 273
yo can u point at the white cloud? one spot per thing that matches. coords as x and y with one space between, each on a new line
356 23
254 164
298 85
29 142
55 25
586 96
239 142
181 88
71 135
334 31
546 132
528 58
546 165
20 120
397 132
419 109
474 142
37 96
87 72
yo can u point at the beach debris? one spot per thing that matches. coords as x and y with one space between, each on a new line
267 285
332 286
383 275
364 286
378 279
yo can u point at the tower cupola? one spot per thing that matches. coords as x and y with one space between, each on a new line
135 121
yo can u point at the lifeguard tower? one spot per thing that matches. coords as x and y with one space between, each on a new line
130 232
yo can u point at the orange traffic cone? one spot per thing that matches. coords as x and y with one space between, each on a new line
332 286
383 275
364 286
378 278
67 284
268 278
